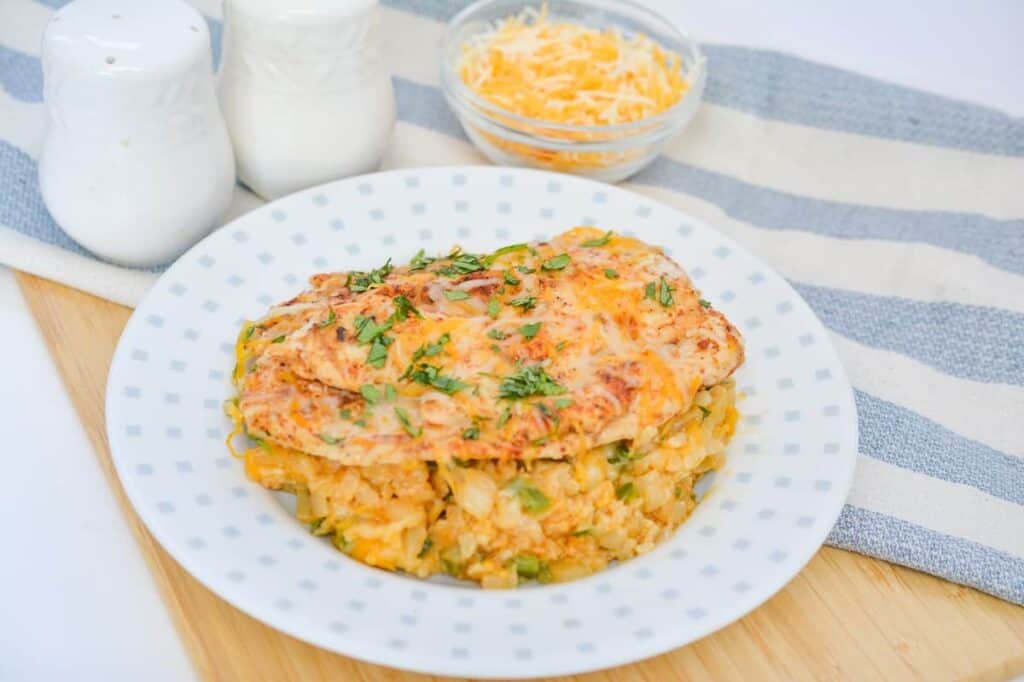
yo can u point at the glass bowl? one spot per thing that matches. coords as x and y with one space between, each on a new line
602 152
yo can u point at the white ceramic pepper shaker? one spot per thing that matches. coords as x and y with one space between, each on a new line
136 164
304 91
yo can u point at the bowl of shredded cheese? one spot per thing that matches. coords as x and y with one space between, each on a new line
590 87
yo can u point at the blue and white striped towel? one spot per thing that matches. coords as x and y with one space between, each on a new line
898 215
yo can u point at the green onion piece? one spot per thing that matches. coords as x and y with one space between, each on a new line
495 334
525 270
432 349
370 394
511 248
360 422
556 263
530 496
582 532
511 279
611 274
403 419
563 403
250 331
496 348
530 330
279 339
493 307
345 413
560 345
649 290
705 412
389 393
600 241
331 440
427 544
626 491
472 433
704 303
527 566
342 542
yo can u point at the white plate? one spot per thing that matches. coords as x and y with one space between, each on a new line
788 472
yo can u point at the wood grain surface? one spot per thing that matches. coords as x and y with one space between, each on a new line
844 617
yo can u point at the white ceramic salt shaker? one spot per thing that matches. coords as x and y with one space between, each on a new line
136 164
304 91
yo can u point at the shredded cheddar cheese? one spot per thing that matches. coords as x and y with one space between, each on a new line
567 73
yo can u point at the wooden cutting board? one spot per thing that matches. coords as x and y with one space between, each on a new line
845 616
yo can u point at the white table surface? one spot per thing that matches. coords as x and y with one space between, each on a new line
76 597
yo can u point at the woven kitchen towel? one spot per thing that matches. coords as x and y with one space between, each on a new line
898 215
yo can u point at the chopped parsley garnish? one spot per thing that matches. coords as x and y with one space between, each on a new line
378 354
511 279
360 422
560 345
493 307
420 261
525 270
250 331
329 321
280 339
650 290
529 381
665 294
527 565
455 295
611 274
345 413
556 263
429 350
369 332
626 491
704 412
530 496
342 543
427 544
530 330
461 264
496 334
582 532
429 375
472 433
524 302
390 394
370 394
331 440
404 308
704 303
403 419
359 282
600 241
496 348
503 417
367 329
563 403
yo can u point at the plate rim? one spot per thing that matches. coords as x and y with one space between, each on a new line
637 650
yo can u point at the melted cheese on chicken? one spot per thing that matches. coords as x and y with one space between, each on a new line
540 350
